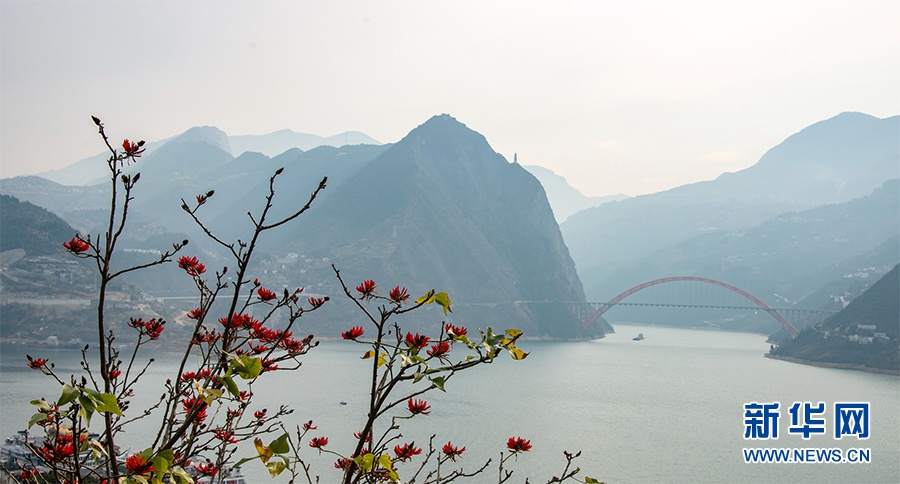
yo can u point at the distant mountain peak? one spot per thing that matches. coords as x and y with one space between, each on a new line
205 134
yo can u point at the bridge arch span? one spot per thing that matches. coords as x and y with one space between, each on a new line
762 305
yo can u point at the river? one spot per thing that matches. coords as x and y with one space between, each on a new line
669 408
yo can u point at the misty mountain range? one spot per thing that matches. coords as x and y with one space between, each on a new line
440 209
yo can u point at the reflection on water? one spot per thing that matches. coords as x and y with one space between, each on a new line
665 409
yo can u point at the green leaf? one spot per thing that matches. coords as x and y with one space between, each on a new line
38 417
280 445
69 393
231 386
42 404
247 367
381 360
180 476
418 376
365 462
87 409
438 382
591 480
443 301
108 403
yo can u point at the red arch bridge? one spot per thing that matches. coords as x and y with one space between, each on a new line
590 312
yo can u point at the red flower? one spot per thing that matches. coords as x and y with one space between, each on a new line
207 469
36 363
309 426
418 406
366 289
191 265
439 350
452 451
139 465
77 245
353 333
398 295
152 329
456 331
195 313
343 464
359 434
265 294
316 302
518 444
225 436
260 415
418 341
318 442
132 149
115 373
407 451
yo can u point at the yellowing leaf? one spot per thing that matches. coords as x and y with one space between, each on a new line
426 299
276 467
264 452
208 395
381 359
368 355
513 333
517 354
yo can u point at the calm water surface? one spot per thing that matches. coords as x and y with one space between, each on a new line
666 409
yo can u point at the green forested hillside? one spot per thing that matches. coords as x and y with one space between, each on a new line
31 228
864 333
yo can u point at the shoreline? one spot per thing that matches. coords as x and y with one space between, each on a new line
839 366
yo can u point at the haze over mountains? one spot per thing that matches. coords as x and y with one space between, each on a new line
813 223
438 209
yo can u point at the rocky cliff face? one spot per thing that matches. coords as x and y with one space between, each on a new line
440 209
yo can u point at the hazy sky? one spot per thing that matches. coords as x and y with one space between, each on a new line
625 96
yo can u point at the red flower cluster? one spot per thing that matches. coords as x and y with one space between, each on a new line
36 363
198 375
132 149
152 329
309 426
207 469
191 265
260 415
439 350
62 448
418 341
417 407
358 434
456 331
318 442
225 436
316 302
452 452
77 245
366 289
343 464
265 294
195 313
407 451
353 333
518 444
398 295
137 464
